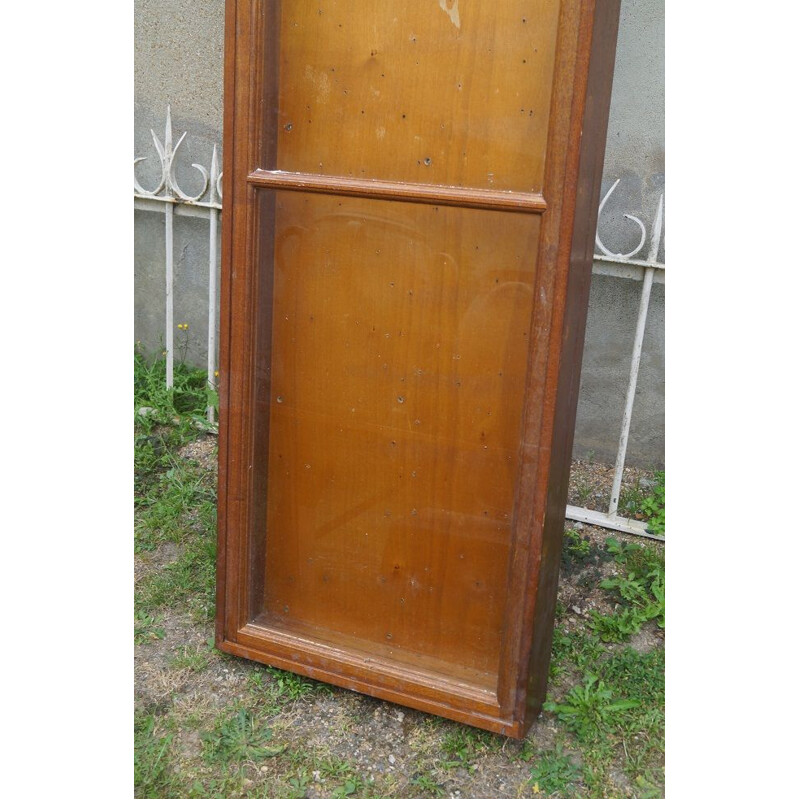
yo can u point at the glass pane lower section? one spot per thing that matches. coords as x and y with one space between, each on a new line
400 336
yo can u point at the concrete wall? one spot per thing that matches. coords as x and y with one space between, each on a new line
178 60
635 154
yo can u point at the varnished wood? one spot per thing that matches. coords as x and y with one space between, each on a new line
395 190
589 126
401 338
341 669
411 92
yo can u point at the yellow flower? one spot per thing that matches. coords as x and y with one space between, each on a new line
216 373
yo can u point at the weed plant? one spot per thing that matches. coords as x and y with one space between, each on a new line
653 507
188 397
589 708
238 738
639 592
291 686
576 550
427 785
635 501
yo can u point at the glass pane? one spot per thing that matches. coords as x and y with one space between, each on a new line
399 345
435 92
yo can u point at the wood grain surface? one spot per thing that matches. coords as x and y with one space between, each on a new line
398 375
417 92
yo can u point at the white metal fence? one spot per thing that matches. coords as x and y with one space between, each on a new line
645 270
169 199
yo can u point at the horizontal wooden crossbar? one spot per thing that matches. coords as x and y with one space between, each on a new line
490 199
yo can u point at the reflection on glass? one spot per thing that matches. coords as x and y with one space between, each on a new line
430 92
399 345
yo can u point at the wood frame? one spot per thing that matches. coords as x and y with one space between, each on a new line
568 203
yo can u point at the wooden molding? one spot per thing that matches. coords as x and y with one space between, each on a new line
530 202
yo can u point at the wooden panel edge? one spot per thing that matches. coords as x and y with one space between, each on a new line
226 259
243 148
537 542
534 449
590 121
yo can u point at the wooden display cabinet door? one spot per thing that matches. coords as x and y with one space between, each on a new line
410 202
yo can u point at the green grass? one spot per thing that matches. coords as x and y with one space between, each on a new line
461 745
297 784
291 686
583 493
273 690
574 649
640 676
630 500
427 785
195 659
188 581
611 709
175 500
178 499
146 627
351 786
164 418
151 758
172 497
555 774
576 550
615 715
187 399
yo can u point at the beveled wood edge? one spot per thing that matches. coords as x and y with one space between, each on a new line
377 679
432 194
322 652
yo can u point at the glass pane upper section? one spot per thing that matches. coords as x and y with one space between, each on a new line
435 91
